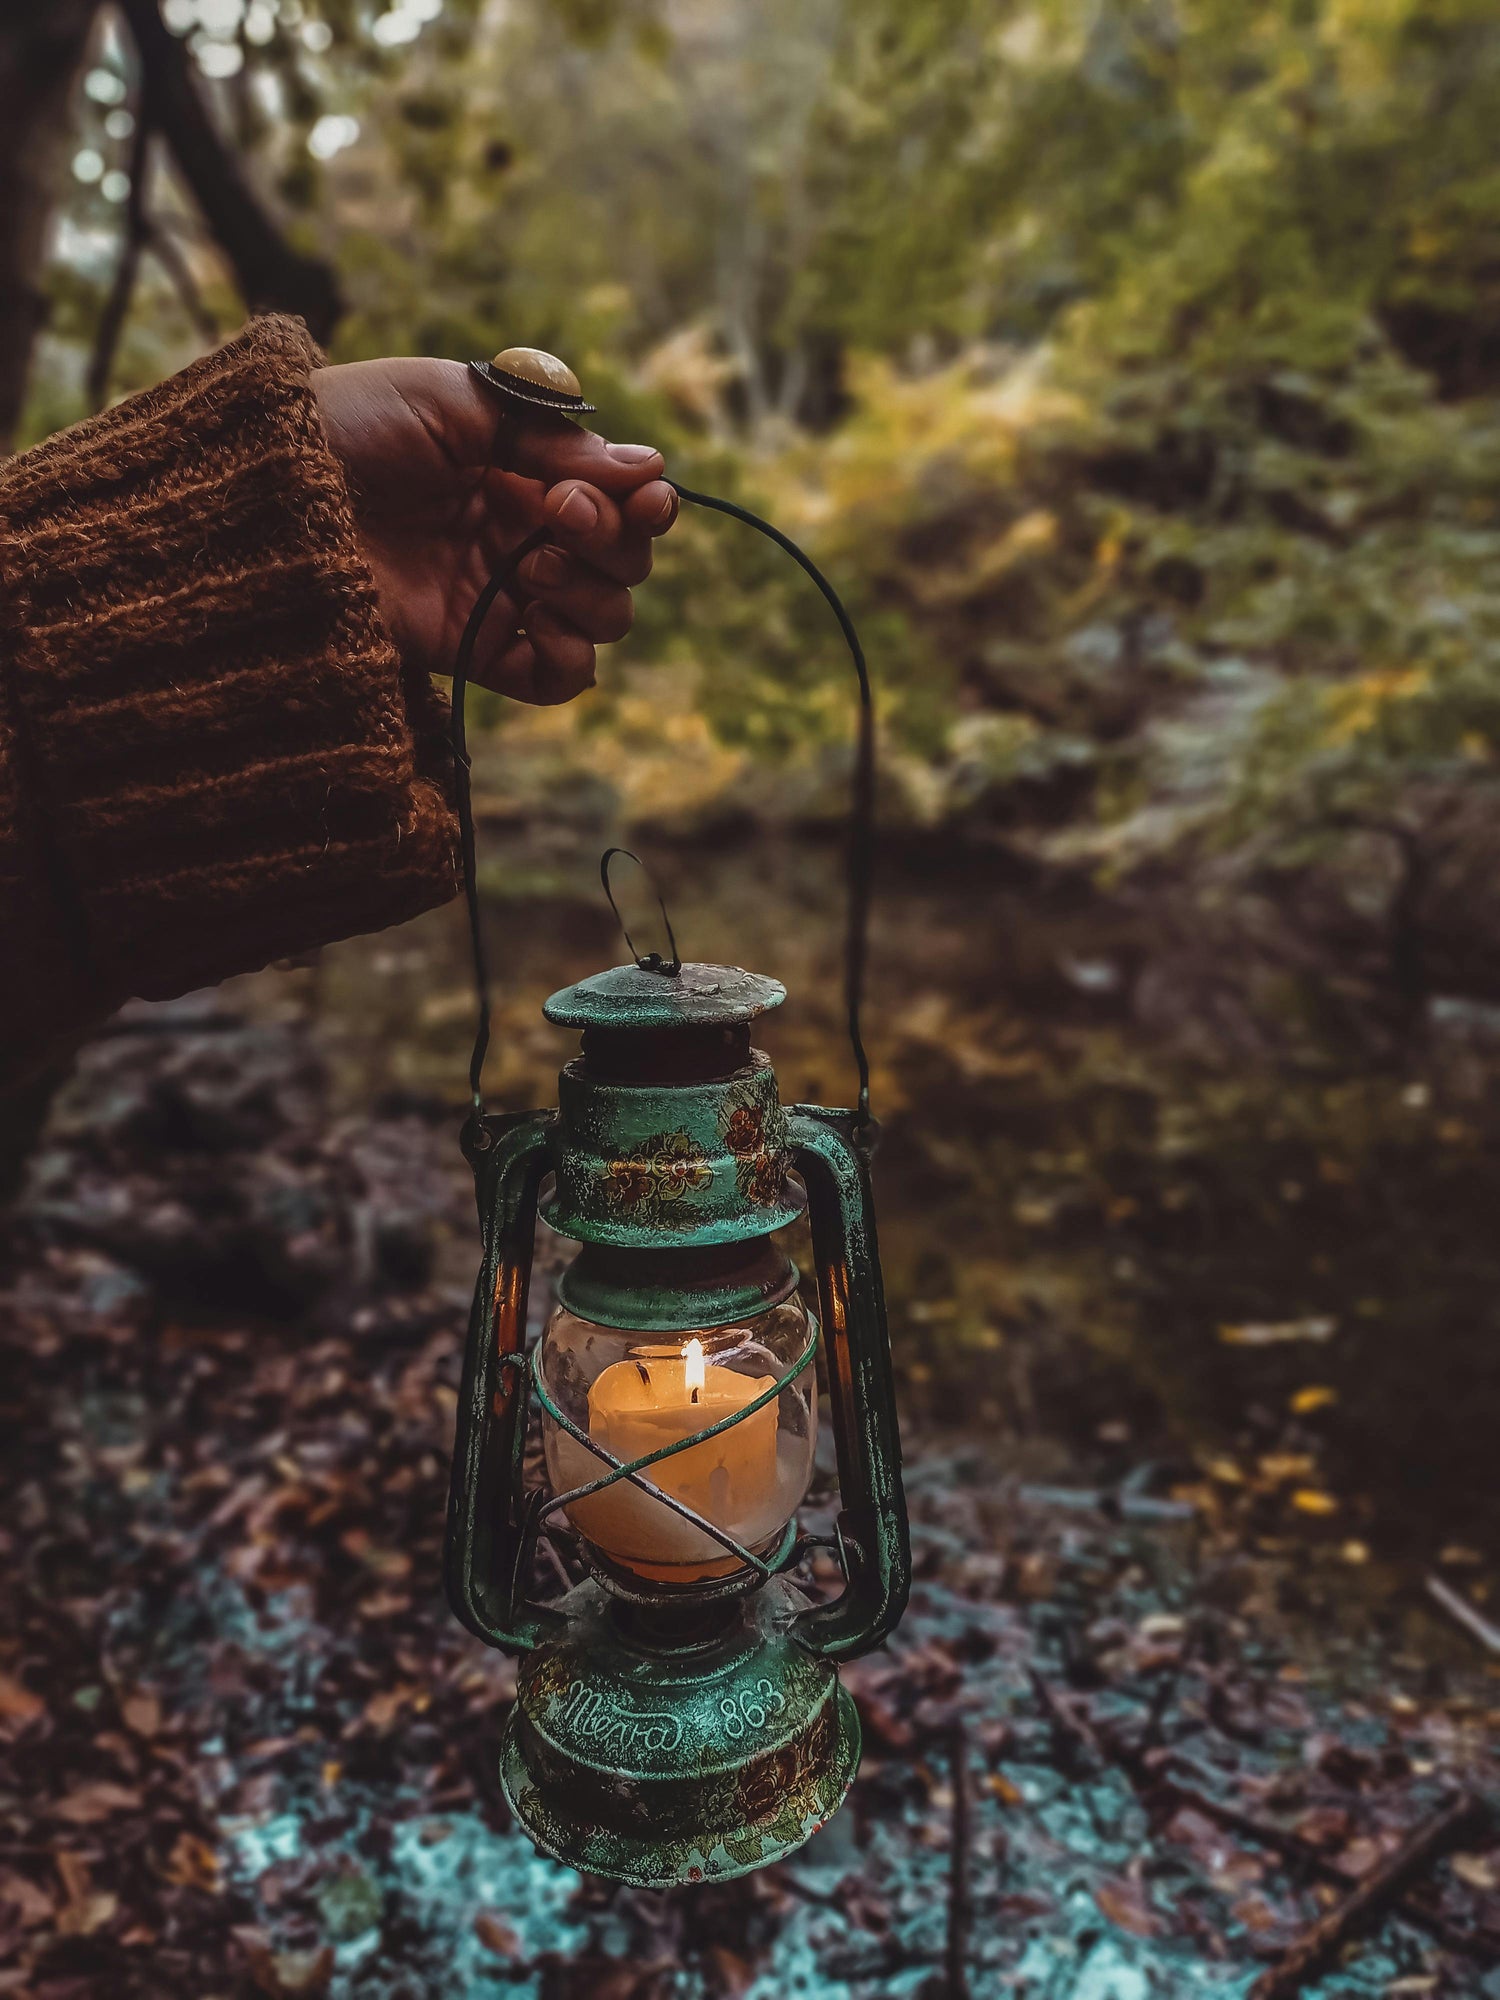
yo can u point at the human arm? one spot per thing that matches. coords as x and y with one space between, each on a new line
218 741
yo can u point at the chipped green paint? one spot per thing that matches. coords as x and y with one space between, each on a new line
634 997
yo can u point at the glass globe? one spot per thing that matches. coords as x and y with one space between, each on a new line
634 1390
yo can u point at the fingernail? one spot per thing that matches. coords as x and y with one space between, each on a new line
668 512
633 454
547 569
578 512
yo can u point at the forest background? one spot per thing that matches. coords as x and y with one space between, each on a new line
1132 367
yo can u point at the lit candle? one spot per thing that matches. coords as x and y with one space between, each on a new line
733 1480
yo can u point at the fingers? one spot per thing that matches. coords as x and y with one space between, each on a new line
652 509
596 605
592 525
550 662
554 450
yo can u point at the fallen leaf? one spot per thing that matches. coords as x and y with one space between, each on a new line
142 1713
293 1975
1272 1333
1282 1465
73 1872
733 1973
18 1704
1124 1903
1309 1500
496 1935
382 1709
1257 1915
1317 1396
28 1899
90 1914
91 1803
192 1864
1476 1871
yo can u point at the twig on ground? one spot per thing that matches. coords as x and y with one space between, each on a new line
1463 1613
1153 1735
1480 1943
1074 1729
1369 1898
960 1894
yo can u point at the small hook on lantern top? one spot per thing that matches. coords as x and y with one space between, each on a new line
651 961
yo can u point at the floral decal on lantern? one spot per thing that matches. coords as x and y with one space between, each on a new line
755 1133
660 1173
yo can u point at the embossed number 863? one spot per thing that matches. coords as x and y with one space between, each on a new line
751 1708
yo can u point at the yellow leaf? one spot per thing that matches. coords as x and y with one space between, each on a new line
1317 1396
83 1918
1280 1465
1308 1500
1477 1870
192 1863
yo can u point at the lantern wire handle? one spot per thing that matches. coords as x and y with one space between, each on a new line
860 857
653 960
500 580
861 850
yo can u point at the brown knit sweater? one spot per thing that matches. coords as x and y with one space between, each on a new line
209 753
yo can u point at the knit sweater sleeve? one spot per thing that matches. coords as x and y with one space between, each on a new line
209 754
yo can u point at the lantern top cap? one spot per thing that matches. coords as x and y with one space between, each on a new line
634 996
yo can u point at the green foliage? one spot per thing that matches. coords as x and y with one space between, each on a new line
1131 364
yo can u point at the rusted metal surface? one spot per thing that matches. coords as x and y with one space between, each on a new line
657 1769
635 1758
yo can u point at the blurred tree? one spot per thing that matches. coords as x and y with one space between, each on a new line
41 51
41 55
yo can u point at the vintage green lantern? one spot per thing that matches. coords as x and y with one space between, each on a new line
679 1716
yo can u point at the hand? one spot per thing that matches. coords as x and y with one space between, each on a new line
446 479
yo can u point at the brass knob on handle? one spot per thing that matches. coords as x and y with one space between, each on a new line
531 376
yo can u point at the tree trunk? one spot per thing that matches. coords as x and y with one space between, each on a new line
41 48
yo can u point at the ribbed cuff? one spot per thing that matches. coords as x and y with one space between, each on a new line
217 746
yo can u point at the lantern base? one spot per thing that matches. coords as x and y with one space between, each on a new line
676 1762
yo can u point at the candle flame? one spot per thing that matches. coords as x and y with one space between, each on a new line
692 1362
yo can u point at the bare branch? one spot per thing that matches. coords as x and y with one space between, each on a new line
271 274
133 237
167 251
